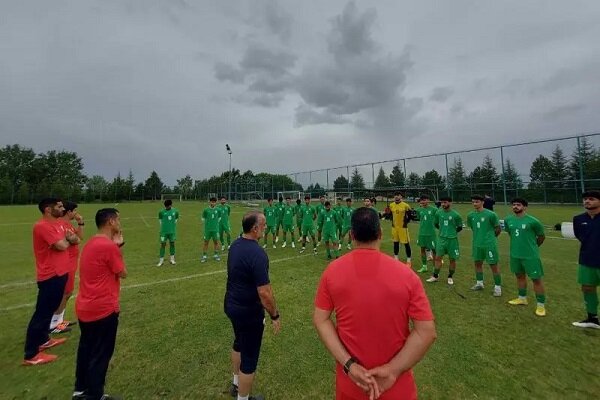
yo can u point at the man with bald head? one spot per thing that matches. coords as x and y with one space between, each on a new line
248 294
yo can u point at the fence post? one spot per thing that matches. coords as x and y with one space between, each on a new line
327 172
372 176
580 165
404 169
348 175
447 175
503 173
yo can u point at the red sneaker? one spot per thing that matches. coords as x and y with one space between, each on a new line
40 358
52 343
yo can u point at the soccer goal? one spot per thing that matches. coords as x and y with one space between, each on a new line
293 194
333 196
210 195
171 196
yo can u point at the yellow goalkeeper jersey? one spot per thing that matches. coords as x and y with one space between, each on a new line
398 212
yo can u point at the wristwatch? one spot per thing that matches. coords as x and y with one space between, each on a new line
348 364
274 317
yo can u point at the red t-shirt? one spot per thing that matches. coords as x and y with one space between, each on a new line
374 297
99 283
48 261
73 249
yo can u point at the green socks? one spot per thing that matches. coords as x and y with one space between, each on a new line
541 298
497 279
479 276
523 292
424 260
591 302
171 249
162 252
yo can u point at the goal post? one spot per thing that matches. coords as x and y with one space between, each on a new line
171 196
293 194
333 196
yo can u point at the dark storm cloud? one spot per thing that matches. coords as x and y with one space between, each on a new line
226 72
278 20
441 94
308 116
569 110
259 59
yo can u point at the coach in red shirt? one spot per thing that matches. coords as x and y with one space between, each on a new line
101 268
374 298
50 242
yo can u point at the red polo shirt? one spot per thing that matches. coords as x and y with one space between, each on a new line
48 261
73 249
99 283
374 297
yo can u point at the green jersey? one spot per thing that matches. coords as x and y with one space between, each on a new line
447 221
338 210
279 208
288 215
308 215
328 221
523 233
347 216
298 212
272 215
483 224
426 216
225 212
211 217
320 208
168 220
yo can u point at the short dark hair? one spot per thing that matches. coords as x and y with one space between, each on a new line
348 199
48 202
424 197
322 196
288 198
327 203
69 206
223 197
168 203
477 197
307 197
269 199
212 199
104 215
298 201
249 220
519 200
365 225
398 194
446 198
367 198
591 193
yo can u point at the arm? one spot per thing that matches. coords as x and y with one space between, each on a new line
80 225
61 245
576 229
267 299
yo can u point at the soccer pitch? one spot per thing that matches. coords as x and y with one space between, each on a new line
174 339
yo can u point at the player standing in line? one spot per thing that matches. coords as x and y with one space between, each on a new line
486 228
338 210
279 208
167 219
328 223
346 217
526 236
298 213
426 240
367 202
288 212
271 215
224 225
400 218
309 214
449 222
320 208
211 217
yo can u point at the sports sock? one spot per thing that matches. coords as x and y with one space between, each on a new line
498 280
436 272
328 252
161 253
451 273
203 254
424 259
541 298
523 293
408 250
243 397
396 248
221 237
591 302
228 239
479 276
172 249
236 379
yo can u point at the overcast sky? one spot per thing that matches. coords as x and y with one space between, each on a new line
291 85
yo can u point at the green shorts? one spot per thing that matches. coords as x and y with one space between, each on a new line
288 228
279 224
270 229
308 230
426 241
171 237
299 224
225 228
530 266
447 246
345 230
489 254
588 276
214 235
330 237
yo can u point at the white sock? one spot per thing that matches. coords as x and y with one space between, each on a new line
408 260
480 283
396 256
541 305
497 287
243 398
57 319
236 379
524 298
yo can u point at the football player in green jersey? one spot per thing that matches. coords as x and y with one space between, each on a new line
346 215
526 236
211 217
338 210
271 215
167 218
426 239
309 214
449 223
485 227
298 213
320 208
279 208
287 220
224 225
328 223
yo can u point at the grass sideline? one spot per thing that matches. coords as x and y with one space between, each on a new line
174 340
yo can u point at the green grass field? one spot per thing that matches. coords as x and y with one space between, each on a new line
174 340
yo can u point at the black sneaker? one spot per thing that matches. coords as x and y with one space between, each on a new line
257 397
109 397
233 390
83 396
590 322
329 257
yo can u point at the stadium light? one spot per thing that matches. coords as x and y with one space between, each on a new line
229 152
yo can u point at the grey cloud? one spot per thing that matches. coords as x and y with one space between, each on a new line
441 94
226 72
565 111
274 62
267 100
269 86
351 33
306 115
278 21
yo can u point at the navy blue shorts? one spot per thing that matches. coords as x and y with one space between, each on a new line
248 334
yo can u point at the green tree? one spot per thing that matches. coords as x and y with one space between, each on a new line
185 186
96 188
413 180
153 186
356 181
340 184
560 169
382 180
585 154
511 176
456 174
432 178
397 176
16 164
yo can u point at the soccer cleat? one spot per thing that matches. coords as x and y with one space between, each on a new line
432 279
349 247
423 269
203 259
257 397
592 323
160 262
274 246
450 281
540 311
264 246
40 358
518 302
477 287
497 292
293 245
63 327
52 343
339 246
233 390
216 257
396 257
314 250
228 246
222 247
109 397
172 260
285 244
277 239
302 250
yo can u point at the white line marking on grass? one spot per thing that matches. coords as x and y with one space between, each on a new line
144 220
153 283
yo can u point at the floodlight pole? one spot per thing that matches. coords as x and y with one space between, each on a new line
229 152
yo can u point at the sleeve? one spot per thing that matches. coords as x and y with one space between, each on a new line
538 229
459 221
576 229
260 269
506 224
494 220
204 214
176 215
468 221
418 307
323 298
48 234
160 214
117 265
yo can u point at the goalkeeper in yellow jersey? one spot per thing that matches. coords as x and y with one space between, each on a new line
401 215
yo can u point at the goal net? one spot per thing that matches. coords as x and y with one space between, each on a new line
292 194
333 196
210 195
171 196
